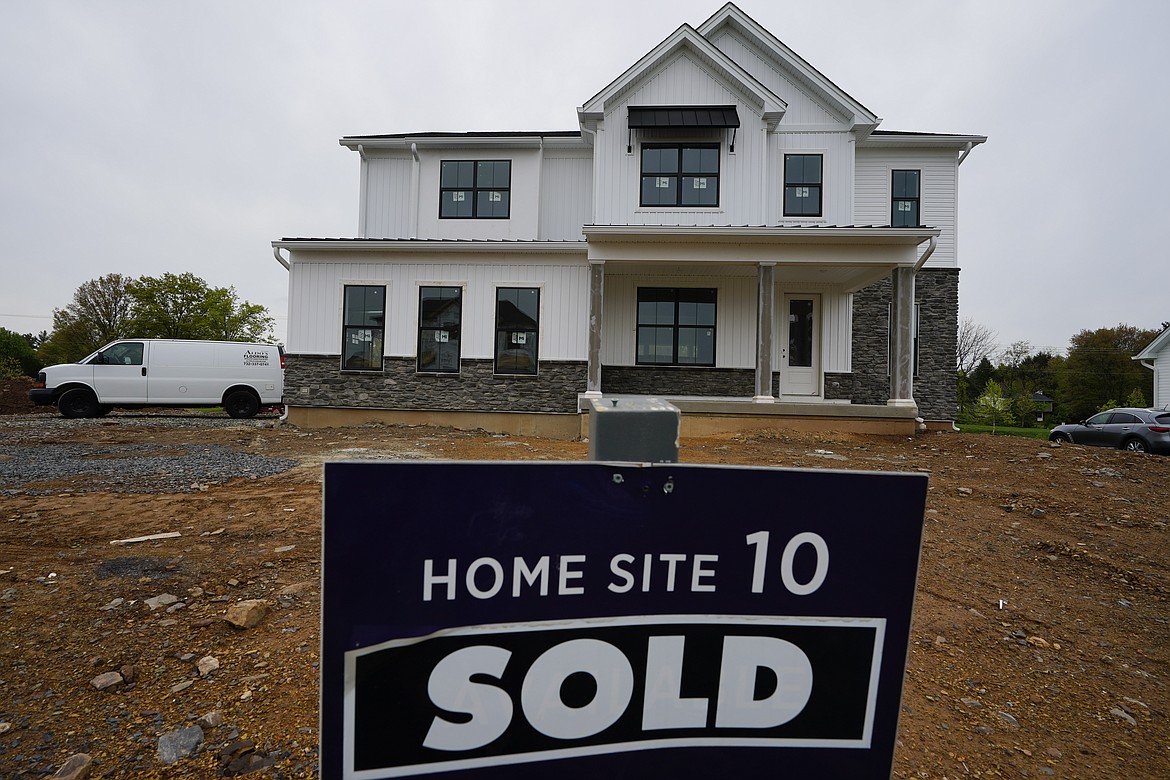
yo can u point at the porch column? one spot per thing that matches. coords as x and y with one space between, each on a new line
764 319
902 338
596 309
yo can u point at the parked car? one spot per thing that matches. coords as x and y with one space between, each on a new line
1136 430
134 373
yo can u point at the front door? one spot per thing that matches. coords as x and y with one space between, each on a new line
800 345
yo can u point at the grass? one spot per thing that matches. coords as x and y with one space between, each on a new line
1000 430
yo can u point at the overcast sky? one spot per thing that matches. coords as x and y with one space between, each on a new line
146 137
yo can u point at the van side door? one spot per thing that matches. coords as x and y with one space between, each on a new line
119 373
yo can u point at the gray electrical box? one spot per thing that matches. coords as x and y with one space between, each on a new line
633 428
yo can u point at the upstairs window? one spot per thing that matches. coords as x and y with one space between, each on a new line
440 320
676 326
905 189
475 189
803 178
680 175
517 329
363 327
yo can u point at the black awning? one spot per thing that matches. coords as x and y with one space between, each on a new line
683 116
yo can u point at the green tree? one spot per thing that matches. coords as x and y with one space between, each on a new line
98 314
17 357
183 306
992 407
1099 369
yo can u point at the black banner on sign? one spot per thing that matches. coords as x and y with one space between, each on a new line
490 695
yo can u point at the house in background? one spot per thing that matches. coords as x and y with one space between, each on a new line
726 229
1043 405
1156 357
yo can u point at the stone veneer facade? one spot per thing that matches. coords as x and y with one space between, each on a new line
317 380
936 292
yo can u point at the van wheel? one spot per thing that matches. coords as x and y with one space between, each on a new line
241 404
103 410
78 402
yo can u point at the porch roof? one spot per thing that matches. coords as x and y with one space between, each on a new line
850 257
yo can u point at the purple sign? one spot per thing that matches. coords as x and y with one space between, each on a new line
590 619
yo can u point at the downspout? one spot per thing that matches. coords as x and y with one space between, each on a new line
926 255
279 259
416 176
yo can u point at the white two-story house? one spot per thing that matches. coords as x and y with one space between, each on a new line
726 229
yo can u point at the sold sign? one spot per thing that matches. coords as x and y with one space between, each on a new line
589 620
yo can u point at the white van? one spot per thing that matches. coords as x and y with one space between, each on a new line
133 373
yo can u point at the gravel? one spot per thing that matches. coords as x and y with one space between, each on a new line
31 469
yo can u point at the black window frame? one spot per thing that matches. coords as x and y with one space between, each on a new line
678 295
428 331
680 174
475 189
376 332
897 198
792 181
508 331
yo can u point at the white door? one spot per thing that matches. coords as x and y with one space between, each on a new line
800 345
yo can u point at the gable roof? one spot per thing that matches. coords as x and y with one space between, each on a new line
1154 347
789 63
685 39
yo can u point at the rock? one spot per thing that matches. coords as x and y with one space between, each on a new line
162 600
249 763
284 549
129 673
1123 715
1009 719
76 767
1038 513
986 731
113 604
5 727
1054 753
207 664
964 491
107 680
971 702
182 686
246 614
297 589
210 720
1036 641
179 744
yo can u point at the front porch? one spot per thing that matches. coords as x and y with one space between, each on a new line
705 416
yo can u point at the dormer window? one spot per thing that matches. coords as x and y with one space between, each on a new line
680 175
475 189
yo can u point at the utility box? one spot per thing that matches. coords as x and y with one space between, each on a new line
637 429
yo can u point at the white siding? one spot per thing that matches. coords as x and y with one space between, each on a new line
735 312
316 283
617 187
566 195
837 176
1162 378
387 197
803 109
938 201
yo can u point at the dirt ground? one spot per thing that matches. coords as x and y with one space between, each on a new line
1039 645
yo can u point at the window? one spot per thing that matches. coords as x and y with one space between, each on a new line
517 328
440 314
802 185
904 209
363 327
475 189
126 354
680 174
676 326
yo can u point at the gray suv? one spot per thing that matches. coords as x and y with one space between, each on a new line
1136 430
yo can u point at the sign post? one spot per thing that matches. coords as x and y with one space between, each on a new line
511 620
